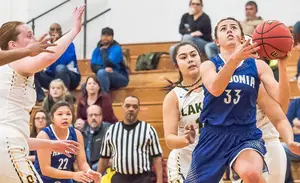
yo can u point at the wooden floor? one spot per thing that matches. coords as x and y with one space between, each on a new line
148 86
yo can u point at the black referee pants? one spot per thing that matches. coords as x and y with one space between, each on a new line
138 178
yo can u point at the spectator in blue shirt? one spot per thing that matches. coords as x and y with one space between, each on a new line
65 68
108 64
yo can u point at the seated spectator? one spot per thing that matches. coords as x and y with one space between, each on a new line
57 92
195 26
65 68
296 35
252 20
93 95
93 135
108 64
39 121
293 116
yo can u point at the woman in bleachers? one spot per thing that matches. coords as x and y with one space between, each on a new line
57 92
56 167
38 123
94 96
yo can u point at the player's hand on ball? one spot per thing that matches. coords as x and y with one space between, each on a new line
96 176
244 50
66 147
189 134
82 177
40 46
77 18
294 147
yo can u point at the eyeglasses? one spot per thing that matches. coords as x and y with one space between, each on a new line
195 4
38 118
96 115
53 29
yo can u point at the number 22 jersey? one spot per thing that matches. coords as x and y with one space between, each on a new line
237 104
58 161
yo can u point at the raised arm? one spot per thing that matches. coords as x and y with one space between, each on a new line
280 92
30 65
33 49
217 82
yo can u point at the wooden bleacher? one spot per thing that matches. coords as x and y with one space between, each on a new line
148 86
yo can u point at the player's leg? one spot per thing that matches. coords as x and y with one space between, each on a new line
14 165
249 165
276 161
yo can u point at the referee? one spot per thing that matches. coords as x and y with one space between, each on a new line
131 144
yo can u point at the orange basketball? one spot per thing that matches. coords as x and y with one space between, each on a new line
274 38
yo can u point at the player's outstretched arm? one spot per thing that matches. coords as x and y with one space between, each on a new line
217 82
28 66
33 49
280 92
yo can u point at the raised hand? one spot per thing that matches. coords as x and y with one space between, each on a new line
294 147
189 134
77 18
66 147
245 50
40 46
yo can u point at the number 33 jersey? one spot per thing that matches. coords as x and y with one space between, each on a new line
237 104
58 161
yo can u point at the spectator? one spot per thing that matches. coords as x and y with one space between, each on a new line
131 144
252 20
293 116
296 35
57 92
65 68
93 135
93 95
38 123
108 64
195 26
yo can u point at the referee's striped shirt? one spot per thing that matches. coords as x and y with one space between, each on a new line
131 147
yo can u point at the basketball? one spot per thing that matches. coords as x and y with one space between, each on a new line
274 38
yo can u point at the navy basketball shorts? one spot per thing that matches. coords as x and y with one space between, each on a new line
218 148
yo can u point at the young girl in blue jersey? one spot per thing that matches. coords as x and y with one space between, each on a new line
231 82
54 167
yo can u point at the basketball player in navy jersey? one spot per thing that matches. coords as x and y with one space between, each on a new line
54 167
231 82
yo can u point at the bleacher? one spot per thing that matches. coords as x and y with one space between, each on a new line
148 86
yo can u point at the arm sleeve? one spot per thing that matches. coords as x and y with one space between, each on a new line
155 149
182 28
113 57
105 151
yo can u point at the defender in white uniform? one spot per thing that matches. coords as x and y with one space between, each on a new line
181 109
189 107
18 96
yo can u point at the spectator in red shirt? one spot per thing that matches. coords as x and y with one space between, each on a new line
94 96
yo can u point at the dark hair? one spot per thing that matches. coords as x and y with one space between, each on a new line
33 132
85 94
107 31
62 104
228 18
174 60
132 96
252 3
198 0
9 32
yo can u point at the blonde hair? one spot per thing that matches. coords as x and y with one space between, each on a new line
62 86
